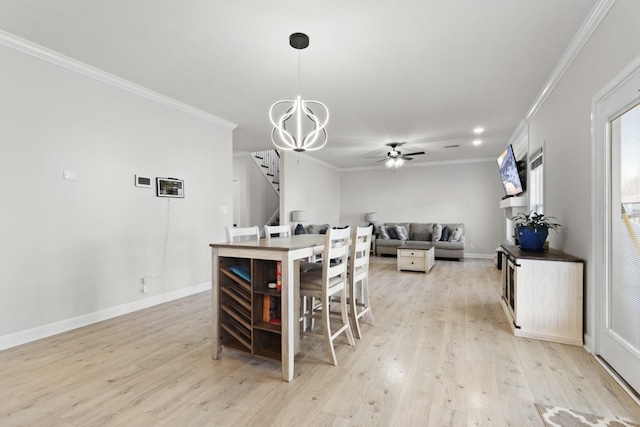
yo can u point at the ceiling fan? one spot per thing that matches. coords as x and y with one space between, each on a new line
395 158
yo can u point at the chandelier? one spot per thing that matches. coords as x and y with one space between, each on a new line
307 129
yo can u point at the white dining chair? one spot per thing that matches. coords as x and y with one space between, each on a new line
322 284
358 274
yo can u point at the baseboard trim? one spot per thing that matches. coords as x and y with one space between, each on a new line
44 331
481 256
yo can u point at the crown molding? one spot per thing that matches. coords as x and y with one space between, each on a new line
586 30
421 164
17 43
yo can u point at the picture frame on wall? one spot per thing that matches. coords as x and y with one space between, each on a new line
169 187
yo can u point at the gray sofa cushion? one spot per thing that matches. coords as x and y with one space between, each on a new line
392 243
420 231
448 245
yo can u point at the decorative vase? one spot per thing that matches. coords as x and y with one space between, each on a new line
532 239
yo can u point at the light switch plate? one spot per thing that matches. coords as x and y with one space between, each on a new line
70 175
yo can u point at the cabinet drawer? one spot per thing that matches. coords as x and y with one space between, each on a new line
412 252
417 264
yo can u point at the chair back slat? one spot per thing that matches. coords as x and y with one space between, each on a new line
235 234
336 249
280 230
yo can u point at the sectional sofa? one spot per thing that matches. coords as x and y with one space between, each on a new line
450 243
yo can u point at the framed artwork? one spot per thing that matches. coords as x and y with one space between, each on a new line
169 187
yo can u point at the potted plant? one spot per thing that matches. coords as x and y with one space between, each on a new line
533 229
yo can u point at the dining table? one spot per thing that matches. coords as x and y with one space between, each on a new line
289 251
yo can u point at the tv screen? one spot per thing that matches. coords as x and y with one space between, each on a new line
509 173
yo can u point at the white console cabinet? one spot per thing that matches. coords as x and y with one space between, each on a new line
542 294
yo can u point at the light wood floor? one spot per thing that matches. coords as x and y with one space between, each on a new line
440 354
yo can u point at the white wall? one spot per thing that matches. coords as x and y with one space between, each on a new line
73 248
464 192
310 185
257 198
564 122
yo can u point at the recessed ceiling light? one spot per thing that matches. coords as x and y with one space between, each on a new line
478 131
477 142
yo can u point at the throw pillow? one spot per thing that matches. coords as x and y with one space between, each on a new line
403 234
437 232
456 235
393 234
383 232
446 231
317 228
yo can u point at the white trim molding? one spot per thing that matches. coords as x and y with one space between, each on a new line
586 30
14 42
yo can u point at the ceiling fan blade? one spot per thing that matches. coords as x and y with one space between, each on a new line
407 158
415 154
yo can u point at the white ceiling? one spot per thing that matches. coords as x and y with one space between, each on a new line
422 71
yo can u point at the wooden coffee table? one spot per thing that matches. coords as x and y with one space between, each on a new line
416 256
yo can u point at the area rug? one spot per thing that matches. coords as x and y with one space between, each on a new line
555 416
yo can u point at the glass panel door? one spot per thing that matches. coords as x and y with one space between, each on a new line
622 324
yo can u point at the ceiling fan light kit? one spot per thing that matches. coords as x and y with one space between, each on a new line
308 131
395 158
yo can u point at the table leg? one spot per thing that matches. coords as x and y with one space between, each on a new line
216 349
288 318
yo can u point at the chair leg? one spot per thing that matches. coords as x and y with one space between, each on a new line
365 299
303 314
345 316
353 308
326 330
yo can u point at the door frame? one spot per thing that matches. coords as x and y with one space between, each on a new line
618 96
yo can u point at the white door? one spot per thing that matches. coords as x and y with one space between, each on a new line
618 340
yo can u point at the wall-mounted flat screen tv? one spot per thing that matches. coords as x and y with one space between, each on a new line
509 173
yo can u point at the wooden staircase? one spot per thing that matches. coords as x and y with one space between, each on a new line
269 163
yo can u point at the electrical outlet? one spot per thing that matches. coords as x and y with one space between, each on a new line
144 289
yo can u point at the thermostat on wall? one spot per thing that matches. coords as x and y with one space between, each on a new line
143 181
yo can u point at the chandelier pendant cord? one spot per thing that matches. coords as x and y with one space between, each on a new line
299 68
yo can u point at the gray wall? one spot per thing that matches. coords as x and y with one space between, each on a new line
309 185
564 123
71 249
459 192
